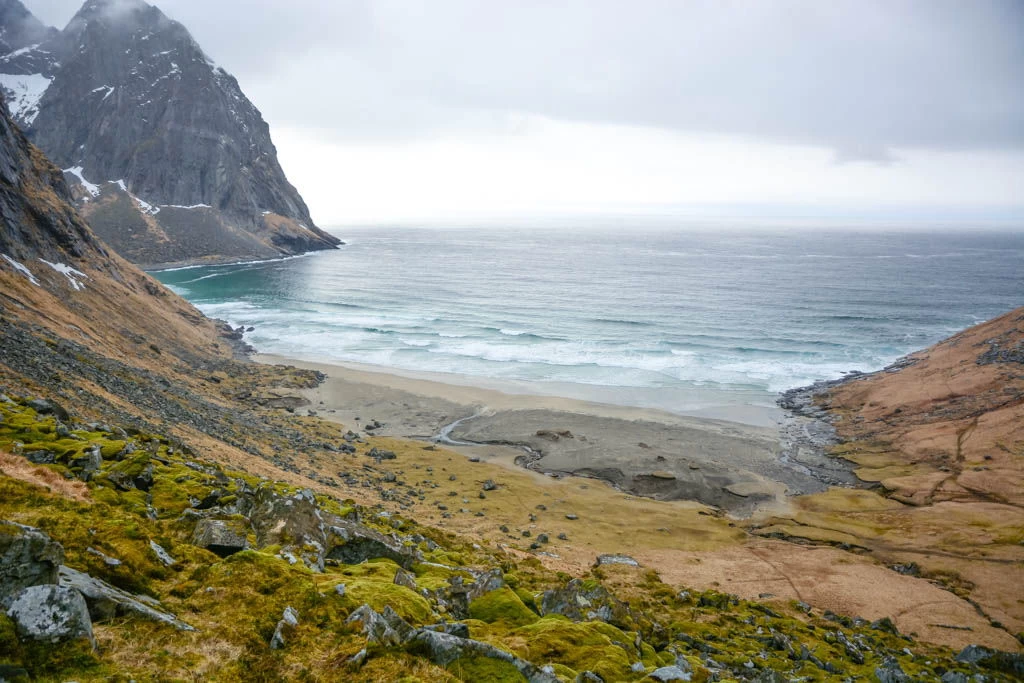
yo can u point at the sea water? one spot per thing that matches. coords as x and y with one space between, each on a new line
678 318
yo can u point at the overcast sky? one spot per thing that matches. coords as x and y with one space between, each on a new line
391 109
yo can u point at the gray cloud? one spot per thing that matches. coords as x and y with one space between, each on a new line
861 77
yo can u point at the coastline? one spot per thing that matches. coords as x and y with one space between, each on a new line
226 261
732 466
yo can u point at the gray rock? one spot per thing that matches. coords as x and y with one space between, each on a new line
340 590
50 614
28 557
286 626
45 407
617 559
106 602
588 677
444 649
670 673
161 554
1008 662
405 578
386 629
107 559
889 671
217 536
579 603
88 463
294 522
954 677
352 543
485 582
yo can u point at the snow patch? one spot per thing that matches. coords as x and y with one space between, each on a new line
93 190
20 51
144 206
191 206
70 273
108 88
23 93
21 269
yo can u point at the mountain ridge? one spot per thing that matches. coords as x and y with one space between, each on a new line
142 121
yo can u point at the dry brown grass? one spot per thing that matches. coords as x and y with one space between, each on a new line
17 467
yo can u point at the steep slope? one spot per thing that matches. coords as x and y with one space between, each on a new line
169 159
939 439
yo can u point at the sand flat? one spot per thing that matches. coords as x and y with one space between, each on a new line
662 455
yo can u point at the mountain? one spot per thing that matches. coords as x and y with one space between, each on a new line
166 157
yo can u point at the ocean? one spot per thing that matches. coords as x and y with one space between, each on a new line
687 320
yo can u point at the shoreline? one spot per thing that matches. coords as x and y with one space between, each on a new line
729 465
226 261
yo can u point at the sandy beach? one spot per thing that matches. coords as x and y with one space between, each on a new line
723 463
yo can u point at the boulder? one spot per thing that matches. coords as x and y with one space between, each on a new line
617 559
286 626
50 614
444 649
88 463
105 602
28 557
889 671
579 602
352 543
670 673
387 629
219 536
161 554
45 407
1007 662
406 578
294 522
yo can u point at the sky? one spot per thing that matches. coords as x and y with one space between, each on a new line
403 110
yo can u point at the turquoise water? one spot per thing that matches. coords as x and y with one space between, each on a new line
676 319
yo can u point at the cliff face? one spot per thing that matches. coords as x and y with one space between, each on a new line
130 106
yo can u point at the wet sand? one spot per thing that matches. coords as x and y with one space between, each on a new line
726 464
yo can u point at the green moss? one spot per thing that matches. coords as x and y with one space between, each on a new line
583 646
411 606
485 669
504 606
435 578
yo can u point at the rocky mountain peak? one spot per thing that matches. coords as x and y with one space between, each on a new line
19 28
168 159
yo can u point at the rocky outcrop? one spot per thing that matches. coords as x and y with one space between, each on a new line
50 614
352 543
106 602
293 522
582 602
28 557
167 156
285 627
219 536
390 630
